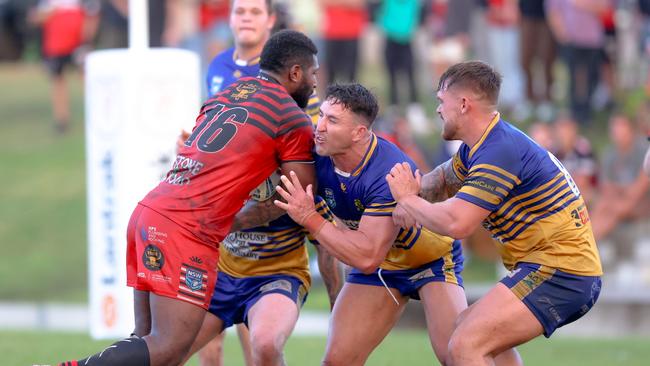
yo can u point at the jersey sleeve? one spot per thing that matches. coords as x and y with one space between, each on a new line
295 140
459 162
378 201
493 173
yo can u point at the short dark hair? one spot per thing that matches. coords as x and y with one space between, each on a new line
285 49
476 76
356 98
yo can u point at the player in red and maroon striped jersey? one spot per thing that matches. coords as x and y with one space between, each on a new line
242 135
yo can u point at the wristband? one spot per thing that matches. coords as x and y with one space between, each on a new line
314 223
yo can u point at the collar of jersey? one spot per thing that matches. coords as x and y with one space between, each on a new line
493 123
266 77
253 61
366 156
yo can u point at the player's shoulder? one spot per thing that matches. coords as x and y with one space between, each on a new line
224 58
388 154
502 139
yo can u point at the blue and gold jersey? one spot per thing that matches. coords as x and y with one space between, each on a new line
365 192
537 212
225 69
277 248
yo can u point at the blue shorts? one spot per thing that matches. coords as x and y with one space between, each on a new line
409 281
233 297
556 298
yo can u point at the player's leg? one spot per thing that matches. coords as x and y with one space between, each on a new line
142 313
496 322
442 303
209 341
245 342
362 317
212 353
271 321
174 326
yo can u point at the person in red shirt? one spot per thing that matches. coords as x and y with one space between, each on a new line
62 23
343 23
242 135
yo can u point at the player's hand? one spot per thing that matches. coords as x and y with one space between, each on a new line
300 202
402 218
402 182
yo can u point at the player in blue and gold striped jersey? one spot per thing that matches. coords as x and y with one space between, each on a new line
524 196
390 265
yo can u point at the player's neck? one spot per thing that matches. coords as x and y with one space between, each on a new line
478 128
350 159
247 54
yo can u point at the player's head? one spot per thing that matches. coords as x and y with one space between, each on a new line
346 116
466 87
251 22
291 57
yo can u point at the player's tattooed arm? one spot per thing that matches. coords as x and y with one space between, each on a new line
257 213
441 183
329 271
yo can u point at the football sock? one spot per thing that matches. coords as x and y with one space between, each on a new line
130 351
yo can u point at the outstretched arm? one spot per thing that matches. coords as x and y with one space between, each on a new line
255 213
364 248
453 217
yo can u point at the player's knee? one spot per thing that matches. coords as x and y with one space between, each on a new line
266 346
169 350
459 347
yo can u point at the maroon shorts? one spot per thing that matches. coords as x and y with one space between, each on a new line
166 259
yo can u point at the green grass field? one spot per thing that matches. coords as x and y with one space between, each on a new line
400 348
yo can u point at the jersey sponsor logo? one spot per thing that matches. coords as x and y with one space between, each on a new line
329 197
153 258
359 205
182 170
481 184
239 243
244 91
196 259
153 235
284 285
580 216
194 279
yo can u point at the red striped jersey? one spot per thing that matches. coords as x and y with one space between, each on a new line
242 135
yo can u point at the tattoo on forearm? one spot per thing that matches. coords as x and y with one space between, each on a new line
452 183
255 214
440 184
433 184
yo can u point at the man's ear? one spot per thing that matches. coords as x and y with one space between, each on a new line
464 105
359 132
295 73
